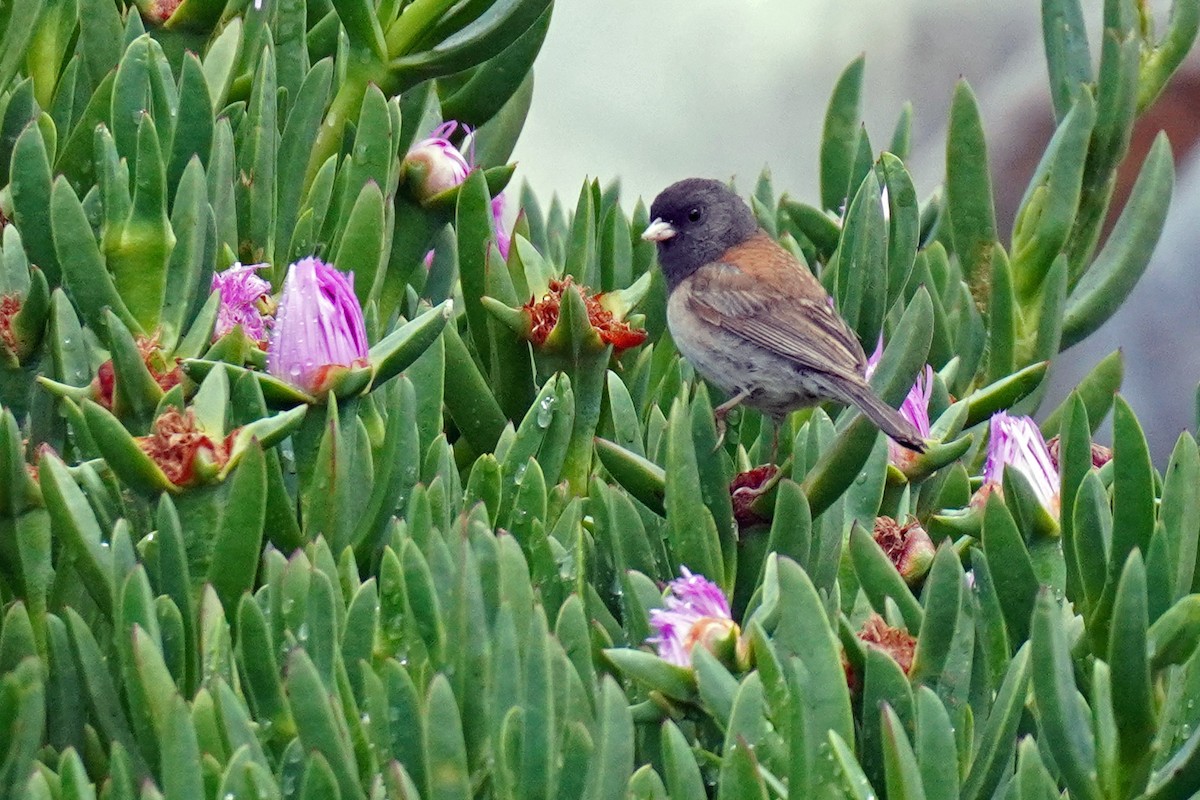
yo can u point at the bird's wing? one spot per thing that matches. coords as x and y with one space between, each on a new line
763 295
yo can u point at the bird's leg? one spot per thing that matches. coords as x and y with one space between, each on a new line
775 425
722 410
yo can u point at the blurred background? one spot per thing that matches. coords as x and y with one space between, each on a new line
652 92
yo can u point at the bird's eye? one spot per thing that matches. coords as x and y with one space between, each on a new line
694 215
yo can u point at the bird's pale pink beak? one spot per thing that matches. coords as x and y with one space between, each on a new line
659 231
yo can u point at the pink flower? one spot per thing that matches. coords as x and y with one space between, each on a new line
241 291
915 408
1017 442
502 236
319 326
697 612
444 165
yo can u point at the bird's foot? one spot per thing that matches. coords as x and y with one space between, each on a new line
721 411
719 419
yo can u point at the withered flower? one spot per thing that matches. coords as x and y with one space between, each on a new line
165 375
747 487
1101 455
896 642
543 316
185 453
907 545
161 10
10 304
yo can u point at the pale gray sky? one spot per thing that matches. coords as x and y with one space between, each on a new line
657 90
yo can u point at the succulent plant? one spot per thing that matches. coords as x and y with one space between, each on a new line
318 482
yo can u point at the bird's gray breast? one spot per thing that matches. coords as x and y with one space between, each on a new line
778 384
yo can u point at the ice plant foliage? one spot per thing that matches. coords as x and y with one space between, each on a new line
543 316
242 298
915 407
1017 442
696 612
507 508
319 325
183 451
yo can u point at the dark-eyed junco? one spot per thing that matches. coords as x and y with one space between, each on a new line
750 317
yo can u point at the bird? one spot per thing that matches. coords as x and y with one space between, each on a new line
751 318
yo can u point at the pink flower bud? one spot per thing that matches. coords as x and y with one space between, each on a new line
319 325
443 165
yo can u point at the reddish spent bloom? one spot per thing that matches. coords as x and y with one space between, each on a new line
179 447
243 296
104 384
161 10
543 316
1101 455
747 487
697 612
896 642
908 546
1017 442
154 360
319 326
915 407
10 304
42 449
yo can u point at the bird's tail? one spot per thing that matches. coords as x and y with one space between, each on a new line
887 418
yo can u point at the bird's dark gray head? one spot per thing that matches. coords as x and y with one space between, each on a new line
695 222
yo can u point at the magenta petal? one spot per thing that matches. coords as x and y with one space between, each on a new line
319 324
503 239
241 290
1017 442
915 407
690 600
445 166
